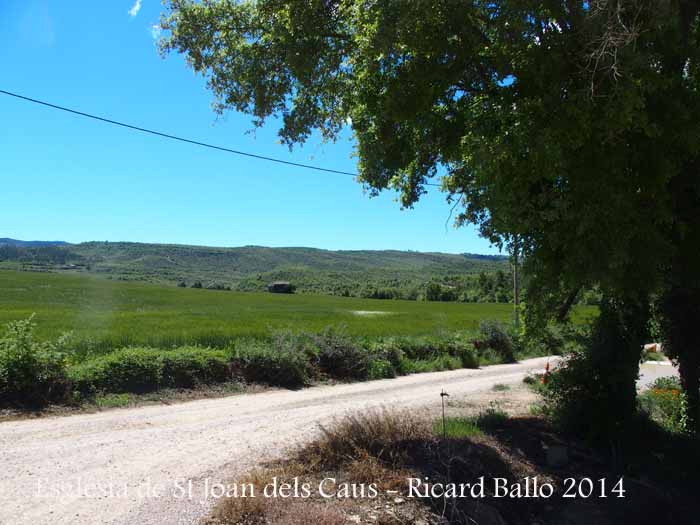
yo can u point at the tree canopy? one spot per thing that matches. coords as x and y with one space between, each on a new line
573 126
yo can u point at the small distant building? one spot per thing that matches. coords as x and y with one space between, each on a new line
281 287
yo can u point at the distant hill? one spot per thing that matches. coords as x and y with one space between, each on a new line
6 241
344 272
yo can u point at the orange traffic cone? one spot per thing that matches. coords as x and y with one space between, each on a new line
546 373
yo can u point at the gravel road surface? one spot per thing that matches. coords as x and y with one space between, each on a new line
155 464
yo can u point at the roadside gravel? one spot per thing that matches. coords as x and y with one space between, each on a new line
135 466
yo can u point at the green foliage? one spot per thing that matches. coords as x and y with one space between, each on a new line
340 357
32 373
441 352
384 274
495 337
664 402
140 370
554 339
379 368
466 427
559 124
457 427
285 365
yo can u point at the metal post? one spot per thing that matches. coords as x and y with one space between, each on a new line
444 394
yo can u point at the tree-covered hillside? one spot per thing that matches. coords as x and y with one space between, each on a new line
379 274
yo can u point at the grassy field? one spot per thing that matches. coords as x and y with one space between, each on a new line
112 313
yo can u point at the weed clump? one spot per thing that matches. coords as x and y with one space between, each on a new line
380 434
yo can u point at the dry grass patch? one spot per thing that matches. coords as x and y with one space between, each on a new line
261 510
363 449
381 435
385 448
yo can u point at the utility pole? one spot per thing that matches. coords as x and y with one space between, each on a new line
515 259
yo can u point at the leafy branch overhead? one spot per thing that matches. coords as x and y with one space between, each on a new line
540 113
569 125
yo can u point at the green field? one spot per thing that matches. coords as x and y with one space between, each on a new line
124 312
112 313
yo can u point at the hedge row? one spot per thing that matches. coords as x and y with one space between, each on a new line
141 370
33 373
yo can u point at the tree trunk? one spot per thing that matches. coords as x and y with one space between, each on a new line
616 352
680 308
565 308
680 301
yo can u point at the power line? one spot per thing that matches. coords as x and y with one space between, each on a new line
181 139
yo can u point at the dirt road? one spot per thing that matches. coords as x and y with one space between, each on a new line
136 465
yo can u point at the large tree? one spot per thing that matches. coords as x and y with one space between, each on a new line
572 126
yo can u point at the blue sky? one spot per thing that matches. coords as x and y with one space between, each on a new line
68 178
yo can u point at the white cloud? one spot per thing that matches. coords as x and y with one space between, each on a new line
156 31
135 8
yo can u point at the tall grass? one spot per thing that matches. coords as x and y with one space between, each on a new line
104 314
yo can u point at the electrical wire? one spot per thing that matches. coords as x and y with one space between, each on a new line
182 139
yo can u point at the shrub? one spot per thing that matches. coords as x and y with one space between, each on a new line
467 356
340 357
188 367
263 362
495 336
578 398
142 370
31 373
664 402
428 349
379 368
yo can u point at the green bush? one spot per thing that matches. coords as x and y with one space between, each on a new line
578 398
429 348
552 339
261 361
379 368
495 337
340 357
140 370
32 373
664 402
